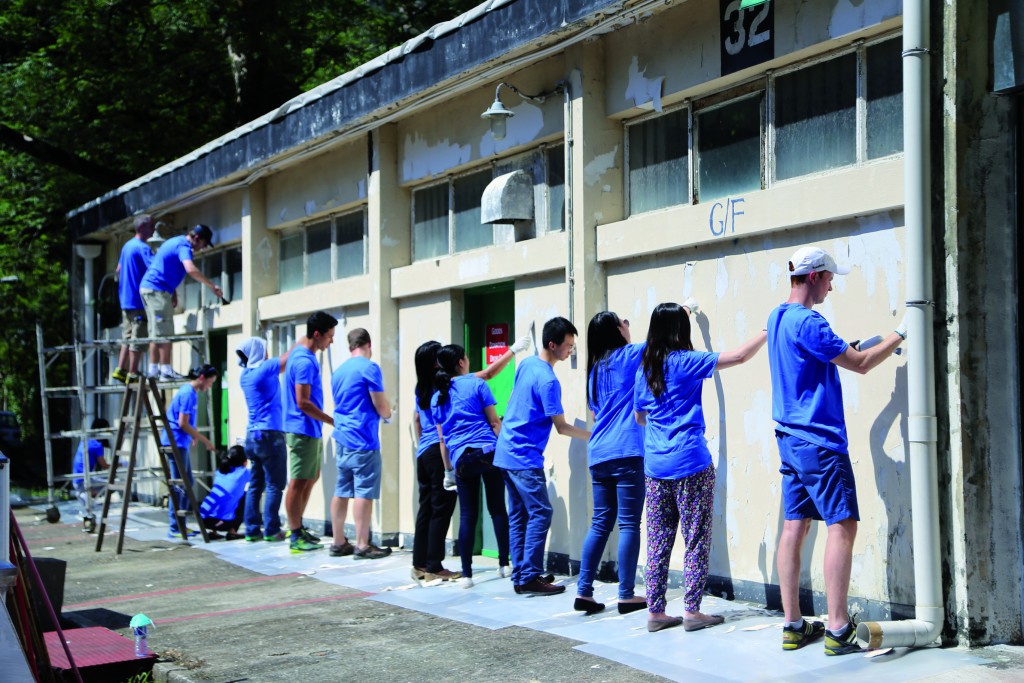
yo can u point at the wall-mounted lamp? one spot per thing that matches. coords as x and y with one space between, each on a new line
157 239
498 113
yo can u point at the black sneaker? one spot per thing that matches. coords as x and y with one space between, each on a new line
370 552
309 535
842 643
795 638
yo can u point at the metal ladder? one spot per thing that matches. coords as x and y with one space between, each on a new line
84 352
148 405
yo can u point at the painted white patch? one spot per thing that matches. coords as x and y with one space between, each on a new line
597 166
774 273
741 324
877 251
652 299
310 207
598 216
474 267
387 241
759 427
852 15
688 279
641 89
264 252
421 159
361 189
850 382
721 279
283 216
522 128
606 188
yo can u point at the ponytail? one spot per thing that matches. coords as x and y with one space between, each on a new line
448 358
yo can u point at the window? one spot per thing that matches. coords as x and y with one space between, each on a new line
659 162
327 250
816 118
350 244
318 253
884 98
470 233
556 187
193 290
832 113
430 222
729 148
292 270
233 274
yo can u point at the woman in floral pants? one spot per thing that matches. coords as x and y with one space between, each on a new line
677 463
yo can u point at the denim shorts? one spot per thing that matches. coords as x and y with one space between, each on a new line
817 483
358 473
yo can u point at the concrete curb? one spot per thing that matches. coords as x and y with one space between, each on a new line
171 672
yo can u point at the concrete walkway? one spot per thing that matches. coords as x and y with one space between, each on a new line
234 611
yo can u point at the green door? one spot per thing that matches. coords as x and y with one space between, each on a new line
488 311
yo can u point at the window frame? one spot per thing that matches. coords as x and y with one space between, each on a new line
332 220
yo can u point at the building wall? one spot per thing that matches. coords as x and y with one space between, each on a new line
729 252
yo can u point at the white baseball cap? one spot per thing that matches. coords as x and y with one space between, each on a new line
814 260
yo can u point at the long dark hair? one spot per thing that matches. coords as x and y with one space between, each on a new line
603 337
669 331
426 366
448 358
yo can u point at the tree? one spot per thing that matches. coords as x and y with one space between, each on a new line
96 91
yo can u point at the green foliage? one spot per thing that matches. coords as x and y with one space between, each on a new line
127 86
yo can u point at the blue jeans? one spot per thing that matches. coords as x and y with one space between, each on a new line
476 466
618 497
529 519
178 496
268 452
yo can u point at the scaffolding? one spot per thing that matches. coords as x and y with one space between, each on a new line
81 392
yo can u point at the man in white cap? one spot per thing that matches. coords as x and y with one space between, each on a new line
817 477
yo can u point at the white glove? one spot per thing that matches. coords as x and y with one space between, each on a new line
901 329
386 420
691 305
522 344
449 480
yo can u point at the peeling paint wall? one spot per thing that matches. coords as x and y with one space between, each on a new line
320 185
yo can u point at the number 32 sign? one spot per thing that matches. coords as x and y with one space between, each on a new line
748 35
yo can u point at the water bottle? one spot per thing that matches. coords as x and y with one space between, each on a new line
140 642
140 626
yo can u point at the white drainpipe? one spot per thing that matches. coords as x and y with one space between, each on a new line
88 253
921 422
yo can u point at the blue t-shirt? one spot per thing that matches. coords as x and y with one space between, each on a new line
95 453
616 433
462 417
166 271
302 368
807 397
428 429
536 398
674 444
185 402
134 261
222 500
356 421
262 390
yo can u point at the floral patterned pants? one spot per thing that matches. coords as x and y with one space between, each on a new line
688 504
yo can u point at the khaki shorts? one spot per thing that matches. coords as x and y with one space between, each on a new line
303 456
160 312
133 326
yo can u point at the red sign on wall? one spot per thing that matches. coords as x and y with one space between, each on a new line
496 338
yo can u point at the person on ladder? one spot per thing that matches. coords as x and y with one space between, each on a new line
94 448
181 417
170 264
131 267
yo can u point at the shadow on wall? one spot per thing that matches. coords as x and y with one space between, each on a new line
571 514
720 528
892 482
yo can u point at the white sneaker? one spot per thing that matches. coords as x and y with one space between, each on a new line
466 582
505 571
171 376
153 372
